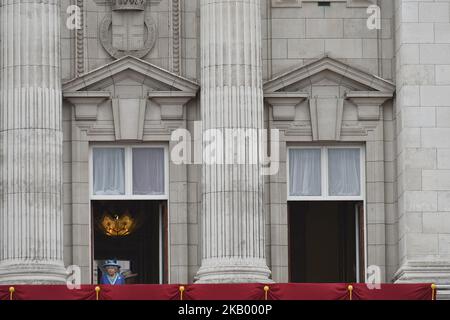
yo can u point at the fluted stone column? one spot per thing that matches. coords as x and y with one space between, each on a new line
232 98
31 242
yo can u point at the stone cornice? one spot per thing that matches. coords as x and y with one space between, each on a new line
298 3
372 82
131 63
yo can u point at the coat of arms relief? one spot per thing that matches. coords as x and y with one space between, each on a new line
128 30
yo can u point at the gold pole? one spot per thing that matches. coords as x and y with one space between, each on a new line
11 293
433 291
350 291
97 293
182 289
266 292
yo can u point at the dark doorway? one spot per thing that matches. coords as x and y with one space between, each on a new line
324 241
133 232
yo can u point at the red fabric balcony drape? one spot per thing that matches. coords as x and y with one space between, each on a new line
393 292
238 292
308 291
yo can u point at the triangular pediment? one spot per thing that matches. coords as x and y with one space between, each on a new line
327 71
128 71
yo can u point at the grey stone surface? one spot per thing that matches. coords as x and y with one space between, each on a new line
31 142
423 254
312 58
233 219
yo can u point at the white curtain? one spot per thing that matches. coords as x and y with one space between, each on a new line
344 172
304 172
148 171
109 171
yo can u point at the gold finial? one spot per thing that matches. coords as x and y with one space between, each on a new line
97 292
182 289
266 292
11 292
433 291
350 290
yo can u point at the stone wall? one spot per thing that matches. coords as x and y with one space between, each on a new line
296 34
423 131
408 170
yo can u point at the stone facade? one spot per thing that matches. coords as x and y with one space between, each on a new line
136 76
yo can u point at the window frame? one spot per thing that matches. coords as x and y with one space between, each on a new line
128 150
325 174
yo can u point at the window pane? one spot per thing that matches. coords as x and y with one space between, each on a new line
344 172
148 171
304 172
109 171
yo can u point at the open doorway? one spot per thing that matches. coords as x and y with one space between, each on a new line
135 234
326 241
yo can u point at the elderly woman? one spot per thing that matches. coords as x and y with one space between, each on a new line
112 275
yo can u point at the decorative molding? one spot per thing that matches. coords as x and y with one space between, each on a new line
360 3
370 81
121 5
176 34
106 40
326 118
326 113
101 132
161 128
172 103
296 128
109 2
86 103
298 3
79 40
129 117
369 103
142 67
284 104
423 271
358 129
286 3
129 113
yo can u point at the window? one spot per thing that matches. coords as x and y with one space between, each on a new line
129 172
344 172
325 173
148 171
305 172
109 171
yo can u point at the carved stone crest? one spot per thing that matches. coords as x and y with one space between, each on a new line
129 5
128 31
